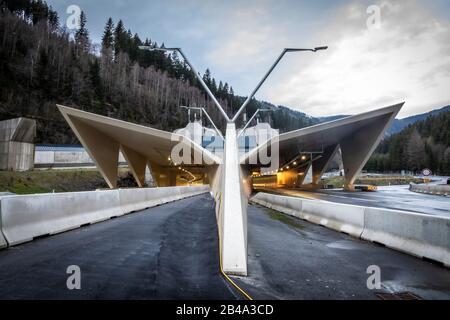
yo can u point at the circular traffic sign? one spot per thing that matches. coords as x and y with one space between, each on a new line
426 172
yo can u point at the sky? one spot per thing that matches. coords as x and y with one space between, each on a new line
380 52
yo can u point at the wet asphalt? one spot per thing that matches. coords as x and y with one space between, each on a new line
171 252
389 197
293 259
166 252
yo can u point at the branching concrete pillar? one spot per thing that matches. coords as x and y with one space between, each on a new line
302 173
359 146
103 150
320 165
137 164
232 220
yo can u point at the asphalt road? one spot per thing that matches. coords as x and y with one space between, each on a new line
171 252
166 252
393 197
293 259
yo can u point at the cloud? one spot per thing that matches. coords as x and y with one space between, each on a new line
248 38
251 36
406 59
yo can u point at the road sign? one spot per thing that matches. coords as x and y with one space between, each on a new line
426 172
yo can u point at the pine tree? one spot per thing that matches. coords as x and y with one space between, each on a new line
108 35
207 77
82 34
95 79
17 5
220 90
39 11
43 78
225 90
137 40
415 149
119 38
53 19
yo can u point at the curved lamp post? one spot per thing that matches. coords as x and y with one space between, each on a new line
249 98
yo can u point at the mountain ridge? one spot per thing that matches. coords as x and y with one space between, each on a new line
398 124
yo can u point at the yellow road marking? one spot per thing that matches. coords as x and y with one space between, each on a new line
220 258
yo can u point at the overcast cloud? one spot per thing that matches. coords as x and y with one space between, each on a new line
407 59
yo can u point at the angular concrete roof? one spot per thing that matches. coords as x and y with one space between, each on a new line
319 137
154 144
103 137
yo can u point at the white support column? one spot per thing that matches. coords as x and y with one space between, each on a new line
232 218
302 173
307 179
137 164
103 150
320 165
359 146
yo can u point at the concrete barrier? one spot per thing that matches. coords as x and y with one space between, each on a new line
440 190
23 218
421 235
289 205
417 234
261 198
142 198
3 243
30 216
138 199
343 218
340 217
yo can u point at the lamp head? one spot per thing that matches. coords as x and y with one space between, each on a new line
320 48
149 48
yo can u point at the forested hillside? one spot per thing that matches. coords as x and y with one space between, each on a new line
42 64
423 144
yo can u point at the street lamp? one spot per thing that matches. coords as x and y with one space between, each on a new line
212 122
192 108
211 95
199 78
247 124
202 110
249 98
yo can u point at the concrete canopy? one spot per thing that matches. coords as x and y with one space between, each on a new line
103 137
357 136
